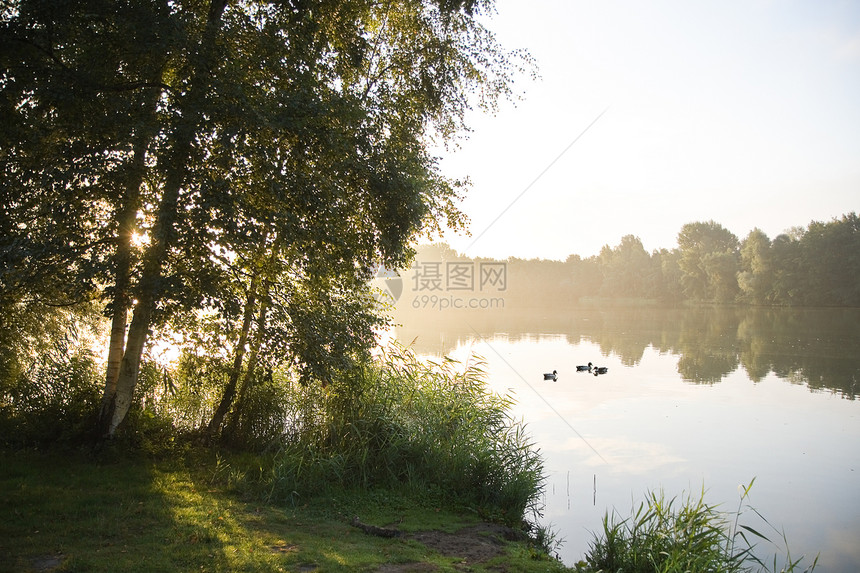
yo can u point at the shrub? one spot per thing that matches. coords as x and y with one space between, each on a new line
49 387
55 400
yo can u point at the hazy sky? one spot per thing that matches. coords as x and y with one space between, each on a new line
744 112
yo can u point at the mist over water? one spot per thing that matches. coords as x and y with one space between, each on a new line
693 398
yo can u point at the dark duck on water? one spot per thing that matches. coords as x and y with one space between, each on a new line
553 376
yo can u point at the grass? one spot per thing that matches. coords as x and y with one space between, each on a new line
74 512
682 535
402 423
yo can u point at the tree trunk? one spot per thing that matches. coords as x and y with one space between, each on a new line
229 397
130 365
247 379
122 280
236 370
150 289
116 346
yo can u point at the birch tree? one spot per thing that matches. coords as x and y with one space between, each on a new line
151 144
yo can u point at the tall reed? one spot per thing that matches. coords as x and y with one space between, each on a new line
404 422
677 536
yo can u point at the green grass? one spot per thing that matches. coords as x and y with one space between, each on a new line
402 423
683 535
73 512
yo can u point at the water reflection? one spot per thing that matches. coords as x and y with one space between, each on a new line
693 398
815 347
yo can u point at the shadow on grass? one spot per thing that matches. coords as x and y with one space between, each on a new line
77 513
72 512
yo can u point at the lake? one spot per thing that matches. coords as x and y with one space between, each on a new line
693 398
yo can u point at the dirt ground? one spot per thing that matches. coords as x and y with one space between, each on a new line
474 544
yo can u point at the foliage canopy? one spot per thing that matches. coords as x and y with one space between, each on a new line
244 165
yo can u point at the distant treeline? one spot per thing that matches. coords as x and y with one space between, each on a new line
814 266
816 347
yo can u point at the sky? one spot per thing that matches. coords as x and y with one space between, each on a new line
650 115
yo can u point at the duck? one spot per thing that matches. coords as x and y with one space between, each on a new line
600 370
553 376
584 368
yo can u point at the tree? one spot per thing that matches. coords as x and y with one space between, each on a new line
669 286
831 262
756 277
581 277
708 261
223 134
787 277
81 118
626 268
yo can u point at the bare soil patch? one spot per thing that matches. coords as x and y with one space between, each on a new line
474 544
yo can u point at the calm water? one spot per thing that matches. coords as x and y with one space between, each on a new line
705 398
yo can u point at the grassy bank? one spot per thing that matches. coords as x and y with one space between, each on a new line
423 451
76 512
398 465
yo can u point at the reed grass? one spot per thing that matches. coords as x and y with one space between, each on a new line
684 534
433 428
